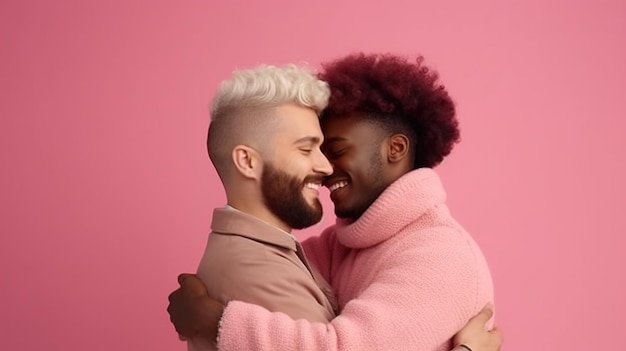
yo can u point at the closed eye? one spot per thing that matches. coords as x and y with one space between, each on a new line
335 153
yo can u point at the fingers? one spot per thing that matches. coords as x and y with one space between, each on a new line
485 314
498 334
173 295
194 286
488 310
191 283
181 302
497 331
183 276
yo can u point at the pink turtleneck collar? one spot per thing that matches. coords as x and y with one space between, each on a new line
405 200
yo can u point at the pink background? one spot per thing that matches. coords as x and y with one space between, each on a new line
106 189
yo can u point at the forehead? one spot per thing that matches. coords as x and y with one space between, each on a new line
296 122
351 127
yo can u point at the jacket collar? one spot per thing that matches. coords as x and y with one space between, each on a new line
230 221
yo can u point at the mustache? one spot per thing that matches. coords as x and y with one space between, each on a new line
313 179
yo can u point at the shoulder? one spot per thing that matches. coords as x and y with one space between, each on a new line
238 255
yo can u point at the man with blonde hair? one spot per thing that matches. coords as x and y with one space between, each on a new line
264 141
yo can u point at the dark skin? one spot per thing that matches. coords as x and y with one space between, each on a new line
364 157
192 311
367 160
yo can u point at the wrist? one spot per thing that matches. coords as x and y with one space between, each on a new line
219 329
211 320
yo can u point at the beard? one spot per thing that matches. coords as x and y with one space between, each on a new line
282 194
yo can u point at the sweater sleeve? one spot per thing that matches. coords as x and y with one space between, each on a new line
420 296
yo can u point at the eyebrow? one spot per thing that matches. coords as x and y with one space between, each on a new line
307 139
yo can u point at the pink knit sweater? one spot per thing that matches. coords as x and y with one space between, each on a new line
406 274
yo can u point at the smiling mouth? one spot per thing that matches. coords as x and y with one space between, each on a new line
337 186
314 186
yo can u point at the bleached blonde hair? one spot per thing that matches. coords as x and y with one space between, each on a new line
268 86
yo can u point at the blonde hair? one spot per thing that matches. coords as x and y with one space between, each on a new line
267 86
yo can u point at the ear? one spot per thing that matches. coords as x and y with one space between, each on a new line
398 148
247 161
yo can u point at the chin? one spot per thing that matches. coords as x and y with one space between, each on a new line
349 212
341 214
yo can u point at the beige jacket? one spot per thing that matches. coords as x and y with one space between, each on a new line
247 259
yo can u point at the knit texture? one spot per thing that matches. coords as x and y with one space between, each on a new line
406 274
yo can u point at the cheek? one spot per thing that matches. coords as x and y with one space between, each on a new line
296 164
345 165
359 165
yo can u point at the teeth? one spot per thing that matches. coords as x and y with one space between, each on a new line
337 185
313 186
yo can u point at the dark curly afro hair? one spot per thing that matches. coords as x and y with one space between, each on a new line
399 95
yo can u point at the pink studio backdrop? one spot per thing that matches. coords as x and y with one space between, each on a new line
106 189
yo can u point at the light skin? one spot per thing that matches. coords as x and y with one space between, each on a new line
365 161
294 148
273 169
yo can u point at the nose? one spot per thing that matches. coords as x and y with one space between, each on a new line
322 165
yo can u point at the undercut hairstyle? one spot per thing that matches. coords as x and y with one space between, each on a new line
241 109
398 95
